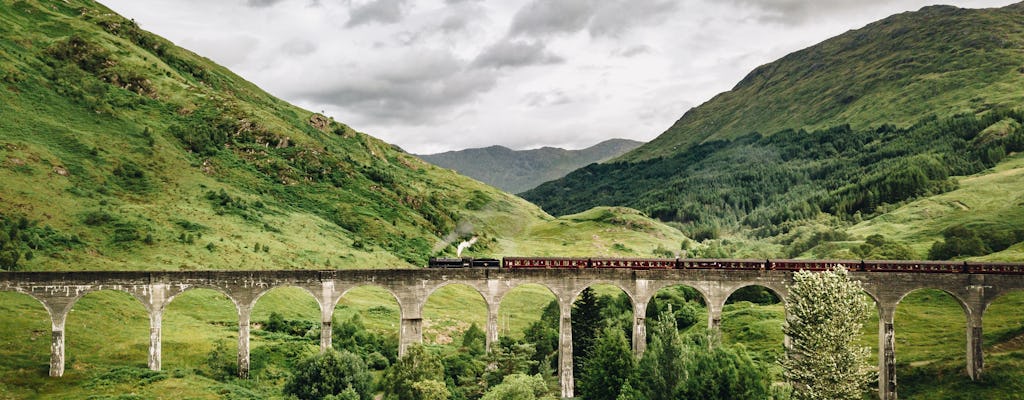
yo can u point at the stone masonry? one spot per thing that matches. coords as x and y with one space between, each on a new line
58 293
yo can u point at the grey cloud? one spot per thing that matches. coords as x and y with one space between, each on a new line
541 17
380 11
262 3
546 99
406 92
298 47
616 17
514 53
454 23
598 17
792 12
633 51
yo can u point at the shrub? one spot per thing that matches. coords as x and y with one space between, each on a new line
329 374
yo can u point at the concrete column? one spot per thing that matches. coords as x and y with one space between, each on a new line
57 346
975 357
326 330
639 329
327 299
155 338
886 353
565 376
492 325
243 341
411 333
715 315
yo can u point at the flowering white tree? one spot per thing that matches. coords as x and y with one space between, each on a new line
824 315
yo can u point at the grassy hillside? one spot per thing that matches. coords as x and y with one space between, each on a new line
119 150
516 171
940 61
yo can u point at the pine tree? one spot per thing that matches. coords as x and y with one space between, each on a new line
609 365
824 316
586 322
662 369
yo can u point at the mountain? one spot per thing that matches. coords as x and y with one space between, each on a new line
832 135
516 171
941 60
119 150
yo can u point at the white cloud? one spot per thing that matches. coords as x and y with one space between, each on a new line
435 75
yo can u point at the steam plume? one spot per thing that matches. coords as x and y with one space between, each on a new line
464 245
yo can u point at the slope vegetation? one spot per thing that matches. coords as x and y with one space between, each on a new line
119 150
516 171
941 61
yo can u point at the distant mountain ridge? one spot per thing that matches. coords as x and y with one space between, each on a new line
517 171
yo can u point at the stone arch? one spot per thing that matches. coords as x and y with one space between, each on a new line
46 306
618 284
132 339
24 344
519 286
424 310
226 293
1007 317
500 296
261 293
430 291
178 347
92 289
959 299
659 285
779 294
938 332
391 292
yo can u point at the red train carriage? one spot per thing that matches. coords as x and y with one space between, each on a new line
710 263
913 266
994 268
812 265
544 262
633 263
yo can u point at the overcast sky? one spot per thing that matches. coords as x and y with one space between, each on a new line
437 75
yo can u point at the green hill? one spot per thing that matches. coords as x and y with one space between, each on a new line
941 61
937 97
516 171
119 150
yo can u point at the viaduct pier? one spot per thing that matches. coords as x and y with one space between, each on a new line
58 292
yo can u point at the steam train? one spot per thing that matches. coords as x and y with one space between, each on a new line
729 264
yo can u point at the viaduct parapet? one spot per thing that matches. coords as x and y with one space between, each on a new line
58 293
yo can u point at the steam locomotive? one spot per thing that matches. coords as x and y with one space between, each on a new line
729 264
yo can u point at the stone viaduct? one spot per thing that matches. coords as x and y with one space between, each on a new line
58 292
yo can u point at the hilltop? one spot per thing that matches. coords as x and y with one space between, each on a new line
516 171
940 60
120 150
833 135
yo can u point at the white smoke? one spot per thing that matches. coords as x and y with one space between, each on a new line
464 245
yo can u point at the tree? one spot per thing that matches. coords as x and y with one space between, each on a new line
824 316
661 370
330 373
519 387
431 390
609 365
417 365
722 373
586 321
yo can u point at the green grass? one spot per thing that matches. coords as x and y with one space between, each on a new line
990 199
